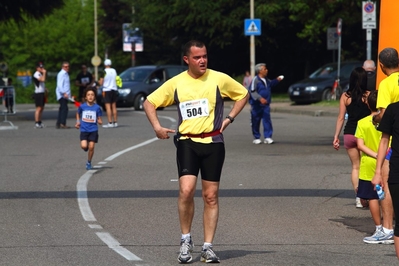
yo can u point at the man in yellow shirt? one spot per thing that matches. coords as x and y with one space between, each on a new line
198 94
388 92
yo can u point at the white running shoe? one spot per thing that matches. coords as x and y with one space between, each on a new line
209 256
186 247
268 141
257 141
358 203
115 124
379 237
108 126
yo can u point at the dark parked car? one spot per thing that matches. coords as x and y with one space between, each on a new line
140 81
319 84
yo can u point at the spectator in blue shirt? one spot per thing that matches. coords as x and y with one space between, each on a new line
260 99
63 92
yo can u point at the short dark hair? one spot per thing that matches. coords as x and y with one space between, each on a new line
188 45
87 90
389 58
372 100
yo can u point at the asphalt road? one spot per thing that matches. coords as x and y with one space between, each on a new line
289 203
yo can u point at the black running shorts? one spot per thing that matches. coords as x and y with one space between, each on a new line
192 156
40 99
110 96
89 136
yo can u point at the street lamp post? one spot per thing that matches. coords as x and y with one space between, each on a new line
95 38
95 60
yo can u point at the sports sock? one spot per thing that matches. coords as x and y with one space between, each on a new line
386 230
206 245
184 236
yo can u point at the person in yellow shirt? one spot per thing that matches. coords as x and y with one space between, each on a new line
388 93
368 139
198 94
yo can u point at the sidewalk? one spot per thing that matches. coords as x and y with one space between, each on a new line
304 109
25 112
276 107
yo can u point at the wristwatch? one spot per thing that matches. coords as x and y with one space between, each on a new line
230 118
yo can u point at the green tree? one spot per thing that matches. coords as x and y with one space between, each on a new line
293 31
66 34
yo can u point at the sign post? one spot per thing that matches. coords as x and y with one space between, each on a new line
369 22
252 27
332 41
336 85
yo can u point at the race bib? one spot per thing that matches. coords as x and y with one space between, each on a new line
194 109
85 80
89 116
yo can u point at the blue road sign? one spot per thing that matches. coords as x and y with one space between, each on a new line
252 27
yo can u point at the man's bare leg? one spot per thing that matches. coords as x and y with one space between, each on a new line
386 204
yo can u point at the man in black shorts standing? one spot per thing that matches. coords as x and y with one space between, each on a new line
110 94
39 77
198 94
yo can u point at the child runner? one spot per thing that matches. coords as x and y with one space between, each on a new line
368 139
87 117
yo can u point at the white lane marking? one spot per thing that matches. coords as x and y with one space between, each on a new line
110 158
83 200
84 206
95 226
113 244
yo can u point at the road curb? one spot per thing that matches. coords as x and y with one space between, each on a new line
319 112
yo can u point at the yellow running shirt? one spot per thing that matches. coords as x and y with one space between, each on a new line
200 101
371 136
388 91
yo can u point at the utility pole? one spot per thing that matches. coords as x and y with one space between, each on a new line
95 60
95 38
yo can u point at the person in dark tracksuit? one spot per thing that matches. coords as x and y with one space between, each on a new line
260 100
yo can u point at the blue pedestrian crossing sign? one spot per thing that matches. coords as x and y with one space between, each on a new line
252 27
